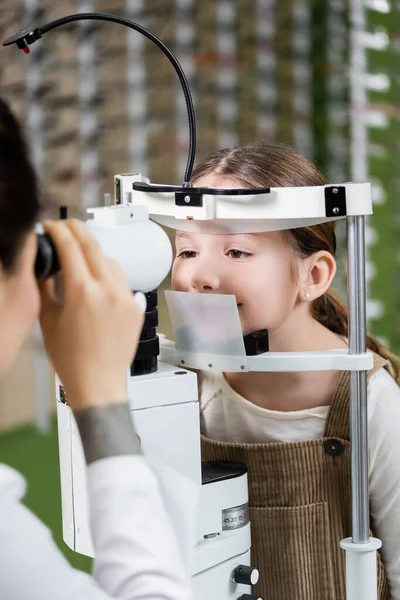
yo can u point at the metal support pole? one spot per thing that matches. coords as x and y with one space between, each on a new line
358 379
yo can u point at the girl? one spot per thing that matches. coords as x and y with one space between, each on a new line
139 539
292 429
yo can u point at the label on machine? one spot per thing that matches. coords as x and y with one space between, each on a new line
233 518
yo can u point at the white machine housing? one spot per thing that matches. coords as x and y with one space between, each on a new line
164 407
232 211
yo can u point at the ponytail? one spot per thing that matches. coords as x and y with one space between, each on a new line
331 312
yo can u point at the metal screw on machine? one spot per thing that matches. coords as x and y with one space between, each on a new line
187 199
245 574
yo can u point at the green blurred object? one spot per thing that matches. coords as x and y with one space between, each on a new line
35 456
384 168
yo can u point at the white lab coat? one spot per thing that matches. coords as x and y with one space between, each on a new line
142 517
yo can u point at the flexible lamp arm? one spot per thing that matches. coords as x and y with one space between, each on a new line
26 37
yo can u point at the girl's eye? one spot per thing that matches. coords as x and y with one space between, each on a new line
187 254
238 253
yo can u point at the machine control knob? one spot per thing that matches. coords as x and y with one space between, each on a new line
249 597
246 575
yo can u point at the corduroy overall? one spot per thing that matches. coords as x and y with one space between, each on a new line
300 507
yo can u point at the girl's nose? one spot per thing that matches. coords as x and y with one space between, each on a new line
204 280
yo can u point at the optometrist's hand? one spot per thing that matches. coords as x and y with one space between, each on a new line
92 339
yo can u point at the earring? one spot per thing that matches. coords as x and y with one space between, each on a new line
307 295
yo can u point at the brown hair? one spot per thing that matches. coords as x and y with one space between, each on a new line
271 165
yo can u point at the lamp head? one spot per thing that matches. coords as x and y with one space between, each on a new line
24 39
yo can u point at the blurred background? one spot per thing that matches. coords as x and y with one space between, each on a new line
97 99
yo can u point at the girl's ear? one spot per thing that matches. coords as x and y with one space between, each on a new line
317 274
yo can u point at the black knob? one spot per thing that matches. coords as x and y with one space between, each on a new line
148 349
248 597
46 264
245 574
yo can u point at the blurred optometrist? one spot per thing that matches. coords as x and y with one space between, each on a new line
139 528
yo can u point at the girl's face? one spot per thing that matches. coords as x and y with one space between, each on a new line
257 268
19 303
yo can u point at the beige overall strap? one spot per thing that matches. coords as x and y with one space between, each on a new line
338 420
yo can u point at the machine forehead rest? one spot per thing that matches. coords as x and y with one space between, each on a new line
241 210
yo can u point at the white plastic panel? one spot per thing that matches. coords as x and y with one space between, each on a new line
158 427
325 360
80 493
141 248
161 389
64 444
276 362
